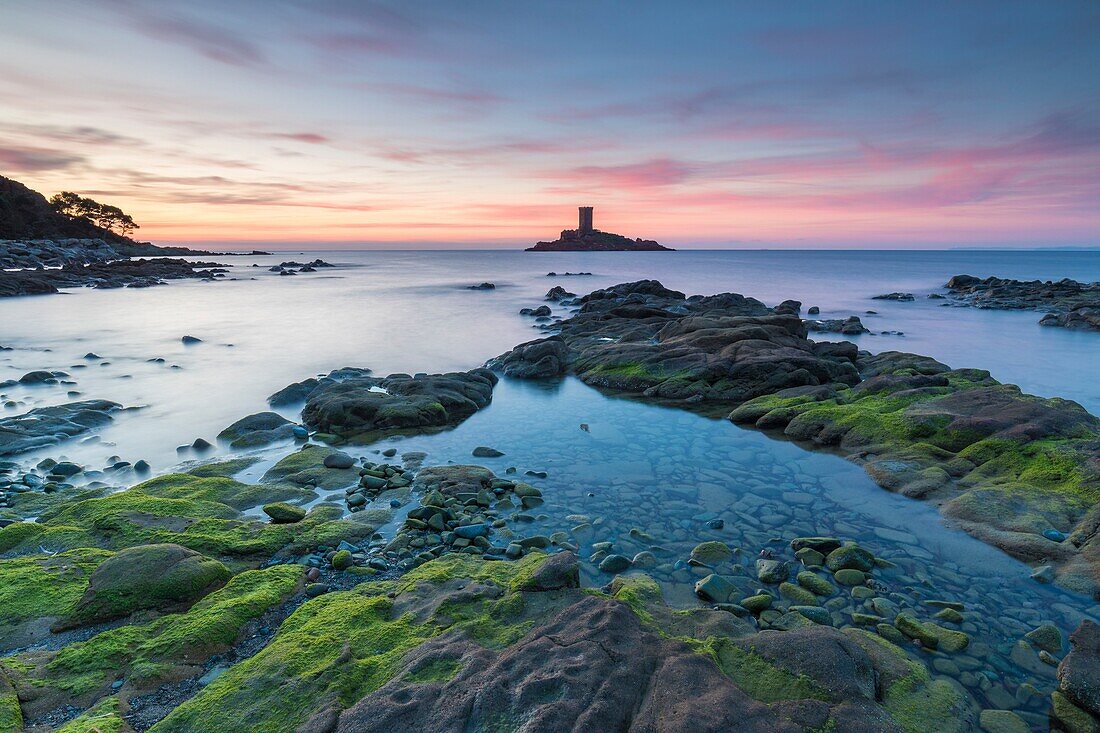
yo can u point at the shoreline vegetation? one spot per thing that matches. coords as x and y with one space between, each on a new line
171 603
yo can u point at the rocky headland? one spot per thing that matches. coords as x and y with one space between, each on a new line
1066 303
42 250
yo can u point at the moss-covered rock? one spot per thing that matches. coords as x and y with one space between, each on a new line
145 577
283 513
103 717
1006 466
434 645
11 716
195 520
144 654
306 468
35 591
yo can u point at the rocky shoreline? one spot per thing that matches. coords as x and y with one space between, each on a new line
355 587
1012 469
1066 303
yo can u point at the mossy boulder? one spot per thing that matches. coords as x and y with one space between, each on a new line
283 513
711 553
850 556
430 651
145 577
137 517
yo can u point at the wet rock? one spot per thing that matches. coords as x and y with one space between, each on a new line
711 553
537 359
283 513
486 452
45 426
342 560
1003 721
363 405
850 555
1046 637
338 459
1079 672
557 572
771 571
262 428
715 588
903 297
145 577
614 564
849 577
189 340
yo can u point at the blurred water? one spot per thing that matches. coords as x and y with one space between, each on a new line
411 311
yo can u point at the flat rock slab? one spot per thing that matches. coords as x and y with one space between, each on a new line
44 426
363 405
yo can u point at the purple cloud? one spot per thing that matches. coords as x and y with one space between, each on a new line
36 159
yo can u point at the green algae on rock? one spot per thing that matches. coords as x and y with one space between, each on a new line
144 654
145 577
36 590
197 520
428 650
1007 466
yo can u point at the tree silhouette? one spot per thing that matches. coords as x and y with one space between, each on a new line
104 216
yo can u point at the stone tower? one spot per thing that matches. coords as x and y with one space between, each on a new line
585 226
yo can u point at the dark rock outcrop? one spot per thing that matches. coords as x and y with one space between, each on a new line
44 426
1067 303
642 337
399 402
850 326
256 430
537 359
137 273
300 391
1079 671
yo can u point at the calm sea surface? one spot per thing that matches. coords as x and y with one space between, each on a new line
643 477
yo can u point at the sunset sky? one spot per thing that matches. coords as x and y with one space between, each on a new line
725 124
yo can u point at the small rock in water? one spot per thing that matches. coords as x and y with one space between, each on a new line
483 451
201 444
614 564
338 460
771 571
1054 535
191 340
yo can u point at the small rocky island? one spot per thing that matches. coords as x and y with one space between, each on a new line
1067 303
585 238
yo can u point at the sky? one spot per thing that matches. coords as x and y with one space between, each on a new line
485 124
